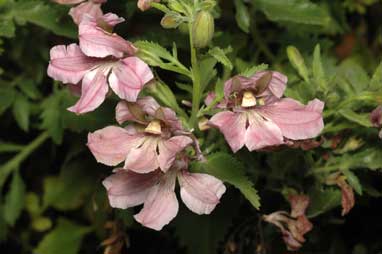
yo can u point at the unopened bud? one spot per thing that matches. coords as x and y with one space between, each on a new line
170 21
249 100
208 5
154 127
203 29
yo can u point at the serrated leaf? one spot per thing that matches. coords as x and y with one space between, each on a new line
318 69
65 238
21 111
252 71
228 169
376 80
323 200
243 19
221 57
297 11
14 200
359 118
51 117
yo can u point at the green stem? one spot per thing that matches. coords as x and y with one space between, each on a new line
15 162
196 88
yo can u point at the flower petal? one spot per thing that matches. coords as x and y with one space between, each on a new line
127 189
232 125
295 120
96 42
87 8
168 150
126 111
144 5
143 158
277 85
93 92
68 64
111 144
262 133
200 192
128 78
161 205
68 1
376 117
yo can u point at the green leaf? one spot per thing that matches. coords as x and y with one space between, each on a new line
221 57
297 11
252 71
207 71
10 147
7 97
243 19
228 169
298 62
354 75
376 80
353 180
52 118
29 88
318 69
14 200
323 200
21 111
70 188
7 28
65 238
359 118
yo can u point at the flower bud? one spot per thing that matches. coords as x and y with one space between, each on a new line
203 29
170 21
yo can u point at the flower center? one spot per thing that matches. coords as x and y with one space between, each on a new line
249 100
154 127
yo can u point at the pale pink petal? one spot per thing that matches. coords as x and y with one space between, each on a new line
68 1
376 117
146 105
168 116
168 149
87 8
200 192
127 189
93 92
68 64
299 204
262 133
295 120
277 85
96 42
128 78
112 19
143 158
235 84
110 145
232 125
161 205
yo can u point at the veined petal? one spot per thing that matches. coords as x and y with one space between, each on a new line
168 116
295 120
85 8
68 1
277 85
96 42
232 125
143 158
168 150
127 189
111 144
128 78
262 133
112 19
161 205
68 64
200 192
93 92
144 105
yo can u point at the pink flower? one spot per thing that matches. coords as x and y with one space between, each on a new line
126 75
91 7
152 143
295 225
256 116
376 119
144 5
156 190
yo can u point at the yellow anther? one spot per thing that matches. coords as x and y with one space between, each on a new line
249 100
261 101
154 127
203 124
